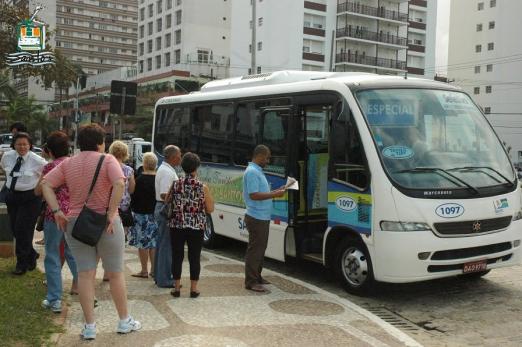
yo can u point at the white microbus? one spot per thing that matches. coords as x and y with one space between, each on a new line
400 180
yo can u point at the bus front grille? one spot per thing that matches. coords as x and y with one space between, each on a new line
452 267
472 227
461 253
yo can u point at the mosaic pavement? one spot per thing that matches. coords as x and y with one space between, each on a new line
292 313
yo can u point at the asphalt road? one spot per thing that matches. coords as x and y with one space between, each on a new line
449 312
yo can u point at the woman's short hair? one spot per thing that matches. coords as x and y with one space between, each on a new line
22 135
90 137
190 162
57 144
150 161
119 150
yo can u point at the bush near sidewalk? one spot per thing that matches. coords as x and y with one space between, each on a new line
23 321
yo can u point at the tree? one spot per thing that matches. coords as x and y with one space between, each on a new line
33 115
7 91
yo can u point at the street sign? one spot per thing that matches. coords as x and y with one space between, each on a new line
123 97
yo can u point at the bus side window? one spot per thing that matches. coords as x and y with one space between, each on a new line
275 136
347 153
247 133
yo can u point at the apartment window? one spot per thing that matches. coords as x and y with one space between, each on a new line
142 31
178 17
177 37
140 66
149 46
488 89
492 3
417 42
487 110
489 67
260 21
479 27
142 13
149 64
159 6
158 62
478 48
158 43
491 25
167 59
260 46
169 21
178 2
250 48
159 24
491 46
476 90
151 10
150 28
480 6
259 69
142 48
168 40
177 56
477 69
202 56
169 4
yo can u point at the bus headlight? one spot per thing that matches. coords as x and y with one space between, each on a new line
404 226
517 215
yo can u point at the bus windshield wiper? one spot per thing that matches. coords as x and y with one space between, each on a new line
440 171
481 168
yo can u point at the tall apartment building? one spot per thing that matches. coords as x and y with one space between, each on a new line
98 35
485 60
188 35
335 35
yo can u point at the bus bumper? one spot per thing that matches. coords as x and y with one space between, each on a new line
396 256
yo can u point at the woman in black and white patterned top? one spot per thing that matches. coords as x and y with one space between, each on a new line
190 201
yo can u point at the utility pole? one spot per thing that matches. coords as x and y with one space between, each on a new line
254 46
76 114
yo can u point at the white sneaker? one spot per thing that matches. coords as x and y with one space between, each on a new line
128 325
88 333
55 306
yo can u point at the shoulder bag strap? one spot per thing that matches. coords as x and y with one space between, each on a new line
102 157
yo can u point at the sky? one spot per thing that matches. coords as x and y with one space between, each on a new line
441 57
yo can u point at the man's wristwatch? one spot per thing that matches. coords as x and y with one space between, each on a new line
56 210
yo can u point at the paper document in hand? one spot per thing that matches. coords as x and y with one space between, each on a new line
291 183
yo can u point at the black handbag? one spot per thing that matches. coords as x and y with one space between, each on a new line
127 219
90 225
3 193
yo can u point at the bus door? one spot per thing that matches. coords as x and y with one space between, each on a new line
311 157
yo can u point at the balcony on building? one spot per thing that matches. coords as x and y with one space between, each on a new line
415 70
363 35
416 48
356 8
317 5
420 3
314 31
417 25
313 57
357 59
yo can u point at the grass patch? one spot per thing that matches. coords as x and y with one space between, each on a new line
23 321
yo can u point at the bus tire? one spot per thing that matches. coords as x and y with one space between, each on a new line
210 239
353 267
475 275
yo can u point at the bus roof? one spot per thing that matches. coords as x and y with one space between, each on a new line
252 84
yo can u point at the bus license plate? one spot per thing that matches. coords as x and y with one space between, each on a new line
476 266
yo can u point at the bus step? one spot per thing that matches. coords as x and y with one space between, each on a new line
315 257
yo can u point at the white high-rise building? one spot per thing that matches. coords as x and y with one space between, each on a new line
189 36
381 36
484 59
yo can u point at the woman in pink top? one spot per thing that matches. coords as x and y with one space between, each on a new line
77 173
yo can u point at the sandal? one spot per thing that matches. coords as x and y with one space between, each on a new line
141 275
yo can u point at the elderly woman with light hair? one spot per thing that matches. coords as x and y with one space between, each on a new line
143 234
121 152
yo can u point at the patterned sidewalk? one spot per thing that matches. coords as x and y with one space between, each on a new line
293 313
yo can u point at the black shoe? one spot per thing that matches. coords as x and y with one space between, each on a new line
175 293
33 264
194 295
18 272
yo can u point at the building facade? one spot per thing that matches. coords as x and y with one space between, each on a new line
380 36
191 36
484 59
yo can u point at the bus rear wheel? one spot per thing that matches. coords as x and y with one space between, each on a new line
210 238
353 267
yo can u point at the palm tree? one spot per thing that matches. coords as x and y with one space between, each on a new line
7 91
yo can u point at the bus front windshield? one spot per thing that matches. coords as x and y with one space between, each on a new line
435 139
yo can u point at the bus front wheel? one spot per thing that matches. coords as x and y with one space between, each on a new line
353 267
210 238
